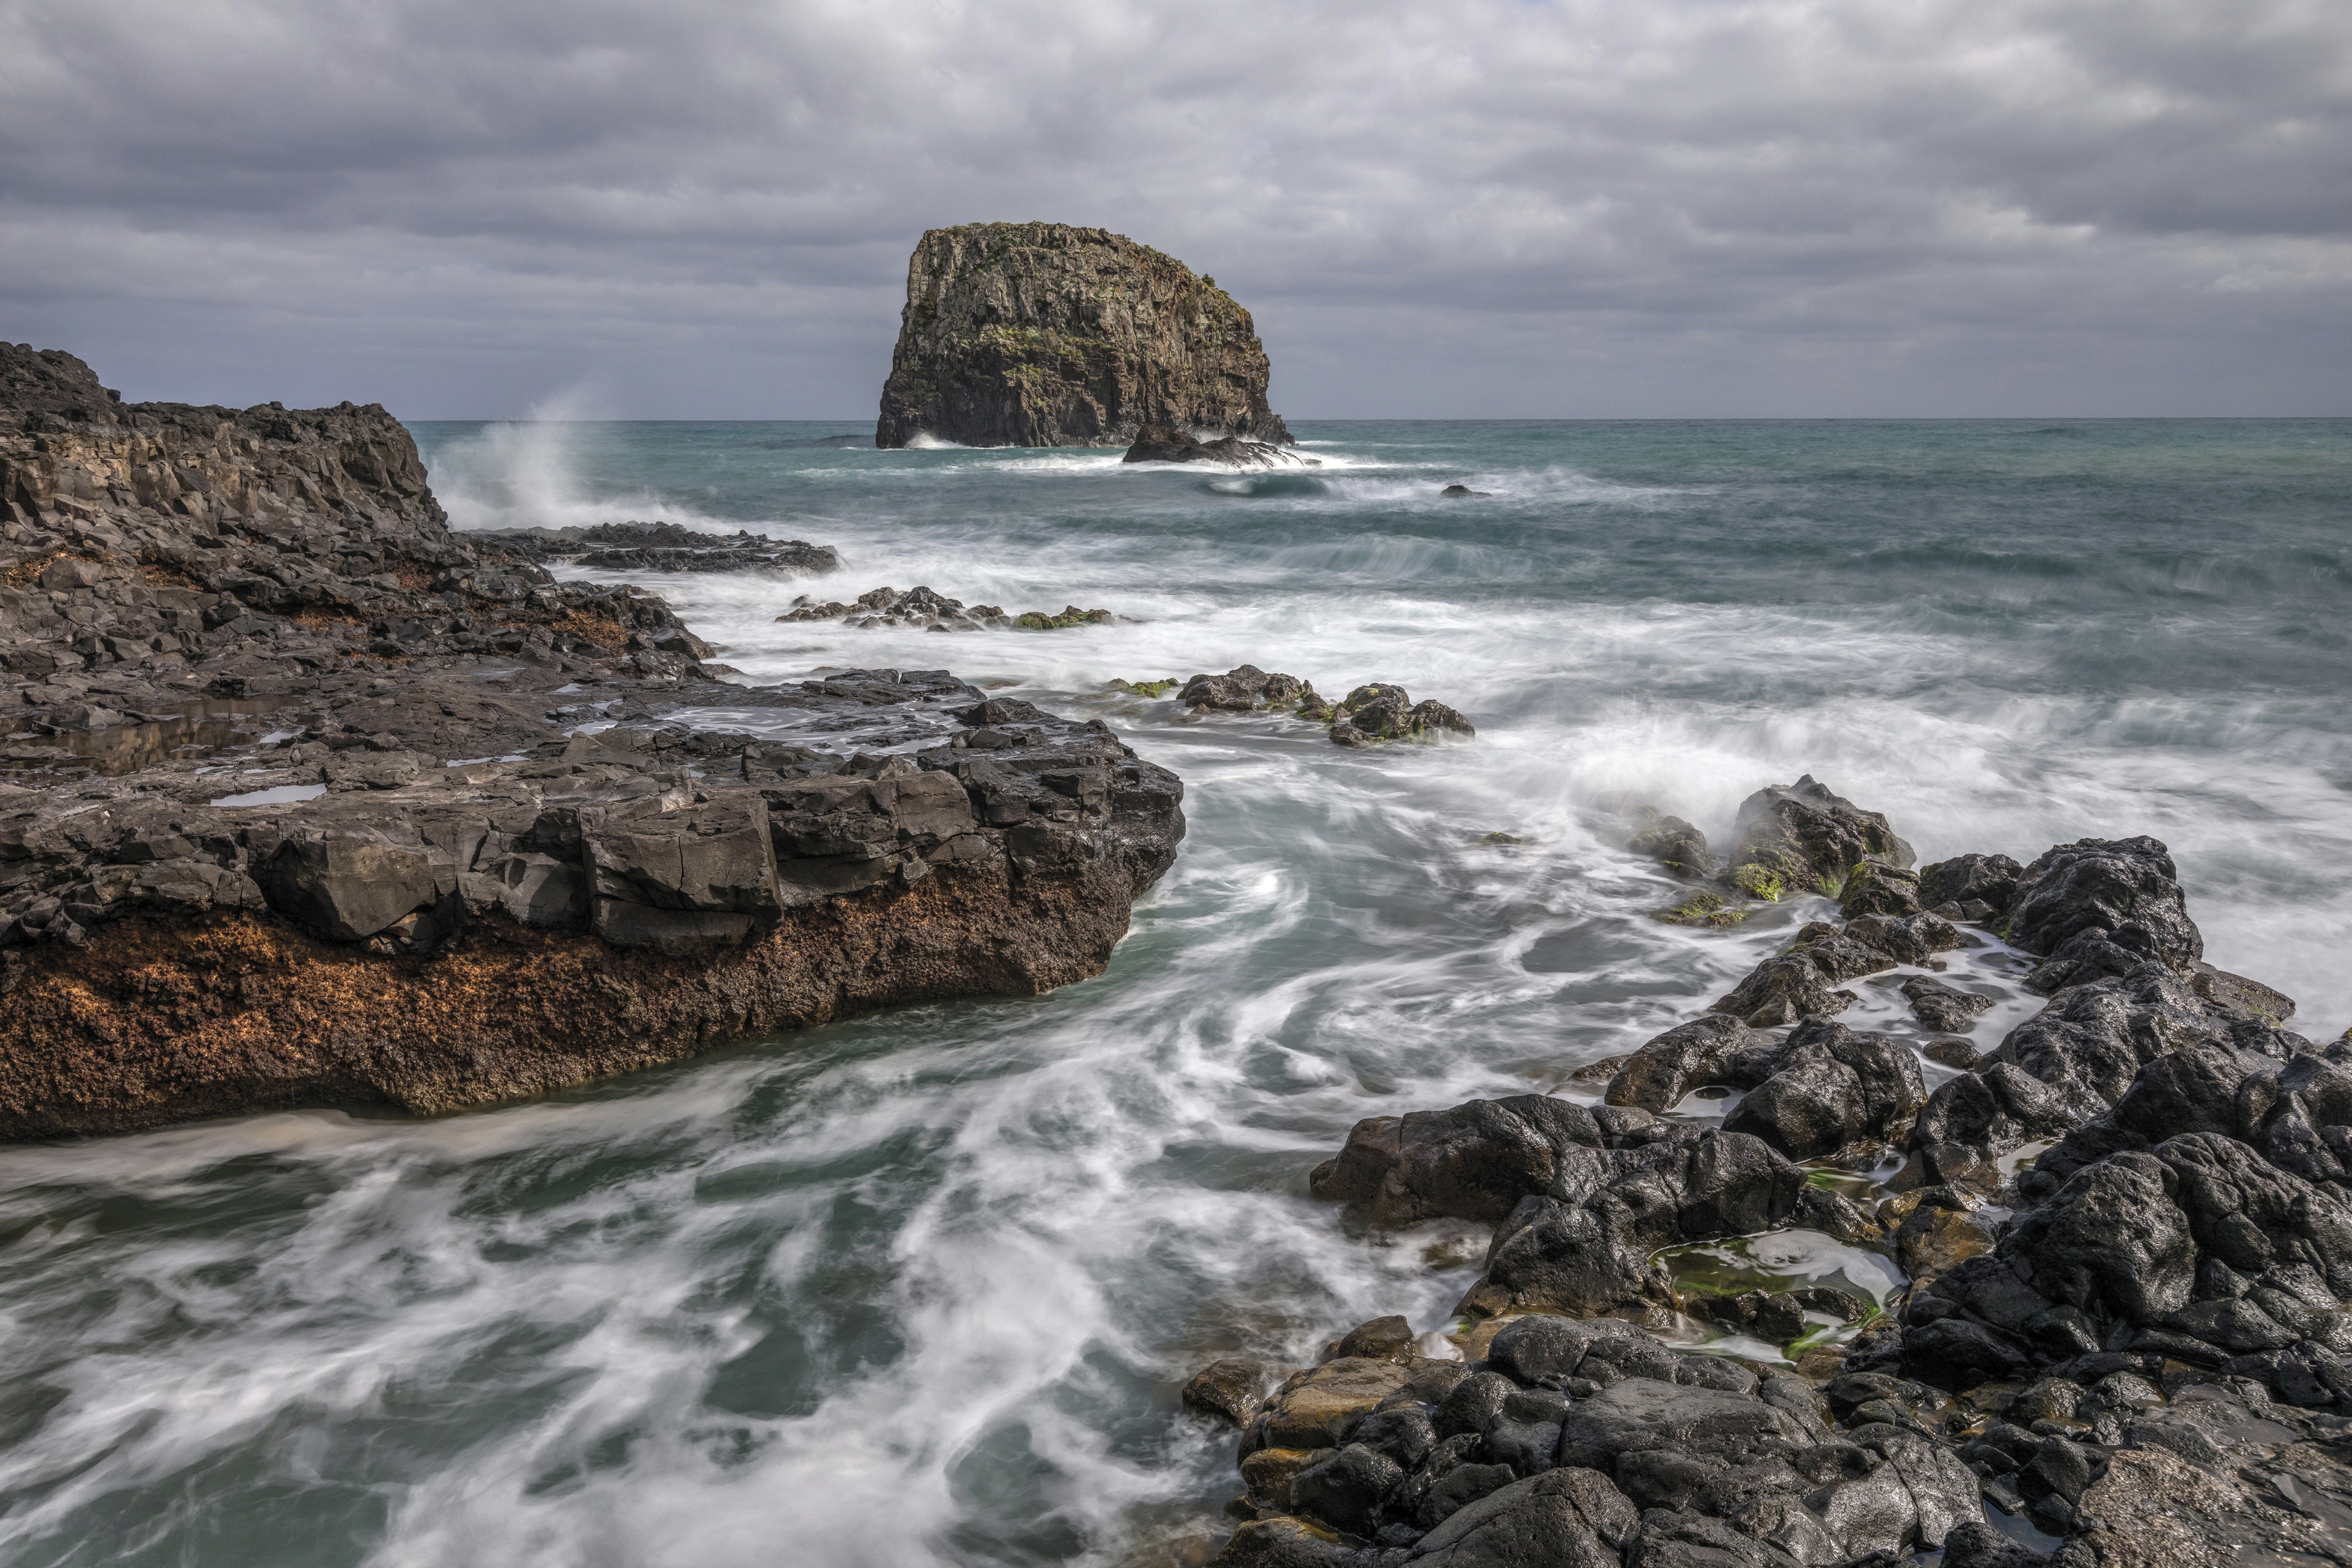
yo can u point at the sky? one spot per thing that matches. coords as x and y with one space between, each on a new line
1581 209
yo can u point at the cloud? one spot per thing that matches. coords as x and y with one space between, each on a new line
1584 207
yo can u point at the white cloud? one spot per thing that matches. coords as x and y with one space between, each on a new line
1588 207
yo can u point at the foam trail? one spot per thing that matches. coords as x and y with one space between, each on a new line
918 1289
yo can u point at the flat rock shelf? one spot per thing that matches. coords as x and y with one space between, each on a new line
309 799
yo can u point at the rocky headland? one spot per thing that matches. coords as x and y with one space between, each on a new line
1049 335
2123 1233
309 799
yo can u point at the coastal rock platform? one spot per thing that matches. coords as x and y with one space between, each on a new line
307 798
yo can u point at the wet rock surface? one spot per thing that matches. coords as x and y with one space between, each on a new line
925 610
1367 716
310 798
1166 444
660 546
2132 1346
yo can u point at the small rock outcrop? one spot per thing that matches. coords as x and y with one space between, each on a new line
1048 335
1165 443
920 608
661 546
1365 717
1585 1444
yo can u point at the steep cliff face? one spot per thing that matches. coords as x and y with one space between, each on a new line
1047 335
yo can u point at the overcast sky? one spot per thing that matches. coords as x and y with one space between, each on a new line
703 208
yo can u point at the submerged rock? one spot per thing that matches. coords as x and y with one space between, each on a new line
1051 334
1246 687
1070 615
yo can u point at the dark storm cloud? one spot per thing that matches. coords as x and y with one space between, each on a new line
1643 206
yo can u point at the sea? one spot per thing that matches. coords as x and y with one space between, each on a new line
922 1288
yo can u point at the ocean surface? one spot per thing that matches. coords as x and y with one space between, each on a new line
921 1288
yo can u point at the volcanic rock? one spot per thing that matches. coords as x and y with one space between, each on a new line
1659 1457
1673 844
1969 887
477 785
1827 1088
1942 1008
1165 443
1803 838
1047 335
1383 712
661 546
916 609
2098 908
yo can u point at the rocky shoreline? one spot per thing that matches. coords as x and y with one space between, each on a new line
309 799
2124 1234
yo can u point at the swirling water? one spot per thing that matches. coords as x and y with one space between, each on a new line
920 1288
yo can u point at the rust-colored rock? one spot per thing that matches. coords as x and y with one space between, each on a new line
158 1020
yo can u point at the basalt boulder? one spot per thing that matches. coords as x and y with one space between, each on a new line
2099 907
1804 838
1476 1161
1970 886
1944 1007
1245 688
1689 1056
1828 1088
1677 846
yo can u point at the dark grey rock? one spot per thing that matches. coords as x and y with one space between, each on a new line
1829 1088
1943 1008
2125 888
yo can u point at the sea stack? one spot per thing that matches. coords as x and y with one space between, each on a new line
1050 335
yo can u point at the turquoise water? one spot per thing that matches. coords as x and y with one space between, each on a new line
919 1288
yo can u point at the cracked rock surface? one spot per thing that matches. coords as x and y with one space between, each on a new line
308 798
2123 1331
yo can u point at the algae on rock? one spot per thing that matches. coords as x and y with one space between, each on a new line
1049 335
